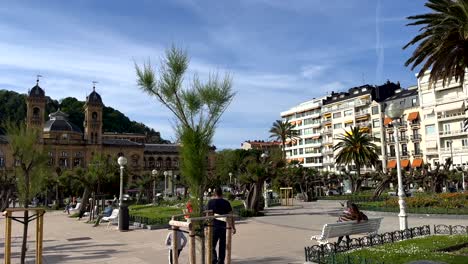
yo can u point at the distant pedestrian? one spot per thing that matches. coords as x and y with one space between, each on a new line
181 242
219 206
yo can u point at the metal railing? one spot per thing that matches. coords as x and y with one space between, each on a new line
452 133
321 253
416 137
447 116
417 153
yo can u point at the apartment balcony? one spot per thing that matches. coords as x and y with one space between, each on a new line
327 151
452 133
402 128
315 145
314 154
415 125
316 125
315 115
454 150
359 103
326 121
417 153
404 155
453 116
402 139
328 131
416 138
328 162
363 124
391 156
327 141
362 114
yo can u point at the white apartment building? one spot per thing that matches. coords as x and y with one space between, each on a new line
442 111
320 121
409 131
306 148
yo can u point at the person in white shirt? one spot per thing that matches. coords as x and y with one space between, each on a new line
181 242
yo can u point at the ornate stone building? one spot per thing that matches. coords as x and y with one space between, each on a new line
68 147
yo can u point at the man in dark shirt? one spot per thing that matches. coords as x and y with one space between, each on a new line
220 206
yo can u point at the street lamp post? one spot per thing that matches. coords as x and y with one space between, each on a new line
165 183
264 156
230 178
395 112
155 173
123 210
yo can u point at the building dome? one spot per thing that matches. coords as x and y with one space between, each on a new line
36 91
59 122
94 98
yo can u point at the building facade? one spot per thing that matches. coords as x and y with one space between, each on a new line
260 145
443 112
410 134
68 147
320 121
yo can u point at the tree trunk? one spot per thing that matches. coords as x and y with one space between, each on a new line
253 198
84 201
358 181
26 216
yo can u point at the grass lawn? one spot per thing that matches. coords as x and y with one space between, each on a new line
436 248
163 213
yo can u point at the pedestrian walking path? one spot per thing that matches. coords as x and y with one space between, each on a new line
278 237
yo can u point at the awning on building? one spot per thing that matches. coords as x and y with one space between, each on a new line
316 137
298 122
451 107
387 121
364 117
413 116
364 129
348 121
417 163
404 163
327 115
391 164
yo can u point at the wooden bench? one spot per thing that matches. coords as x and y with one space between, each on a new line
370 226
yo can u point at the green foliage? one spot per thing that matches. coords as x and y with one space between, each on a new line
31 159
13 107
443 41
356 147
282 130
428 248
197 110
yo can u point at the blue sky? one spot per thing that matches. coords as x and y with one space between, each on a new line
280 53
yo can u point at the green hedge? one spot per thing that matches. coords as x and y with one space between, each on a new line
413 210
354 198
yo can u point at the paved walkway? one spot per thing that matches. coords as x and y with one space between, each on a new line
279 237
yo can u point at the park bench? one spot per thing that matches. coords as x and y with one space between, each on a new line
370 226
112 218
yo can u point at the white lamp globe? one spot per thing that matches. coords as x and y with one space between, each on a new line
122 161
154 172
394 111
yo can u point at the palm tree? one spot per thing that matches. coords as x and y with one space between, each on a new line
443 41
356 147
282 130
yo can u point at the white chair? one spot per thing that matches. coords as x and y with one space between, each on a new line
113 218
76 209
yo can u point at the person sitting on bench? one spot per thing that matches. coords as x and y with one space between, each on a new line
351 213
106 213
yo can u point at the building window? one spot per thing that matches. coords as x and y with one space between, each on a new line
446 128
337 126
404 150
294 152
159 163
430 129
417 149
64 154
375 110
348 112
376 122
392 151
464 142
175 162
337 115
308 131
348 124
301 151
63 163
77 162
402 102
78 154
414 102
2 162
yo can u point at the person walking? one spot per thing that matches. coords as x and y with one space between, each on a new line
181 242
220 206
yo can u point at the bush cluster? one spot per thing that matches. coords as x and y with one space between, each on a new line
442 200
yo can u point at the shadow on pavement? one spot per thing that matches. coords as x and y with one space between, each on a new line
265 260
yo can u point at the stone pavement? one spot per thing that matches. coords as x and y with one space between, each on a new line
279 237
